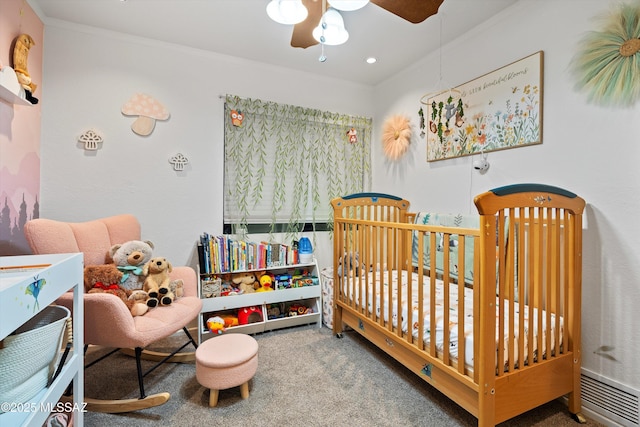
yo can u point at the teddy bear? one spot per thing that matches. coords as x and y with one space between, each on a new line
105 279
157 282
130 258
245 282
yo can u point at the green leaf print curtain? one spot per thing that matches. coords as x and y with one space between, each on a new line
284 163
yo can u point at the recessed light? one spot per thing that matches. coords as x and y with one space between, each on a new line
371 60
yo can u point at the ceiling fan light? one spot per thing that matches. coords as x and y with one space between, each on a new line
287 12
331 29
348 5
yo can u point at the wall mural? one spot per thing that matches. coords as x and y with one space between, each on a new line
500 110
19 126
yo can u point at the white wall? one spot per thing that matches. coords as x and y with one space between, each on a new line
587 149
590 150
90 74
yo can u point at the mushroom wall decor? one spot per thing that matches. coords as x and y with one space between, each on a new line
90 139
148 111
179 161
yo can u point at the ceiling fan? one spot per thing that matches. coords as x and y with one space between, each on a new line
414 11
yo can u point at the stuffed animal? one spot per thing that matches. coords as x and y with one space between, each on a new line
105 279
130 258
177 287
216 324
230 320
245 281
299 310
157 282
266 283
348 263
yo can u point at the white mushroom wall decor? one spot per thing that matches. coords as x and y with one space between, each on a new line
148 111
90 139
179 161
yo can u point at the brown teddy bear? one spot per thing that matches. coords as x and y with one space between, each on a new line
245 281
157 282
106 279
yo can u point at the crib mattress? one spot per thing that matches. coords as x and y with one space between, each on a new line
381 289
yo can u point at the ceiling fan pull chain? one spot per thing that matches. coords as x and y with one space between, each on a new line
323 24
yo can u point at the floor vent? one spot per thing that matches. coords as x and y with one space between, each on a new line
615 401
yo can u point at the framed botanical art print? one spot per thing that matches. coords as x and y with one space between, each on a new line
499 110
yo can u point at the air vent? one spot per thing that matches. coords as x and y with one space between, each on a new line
611 399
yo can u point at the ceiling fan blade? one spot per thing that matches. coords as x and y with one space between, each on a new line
302 32
414 11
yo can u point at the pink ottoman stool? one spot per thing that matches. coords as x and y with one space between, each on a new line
226 361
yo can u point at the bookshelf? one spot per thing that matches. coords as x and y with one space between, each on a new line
296 298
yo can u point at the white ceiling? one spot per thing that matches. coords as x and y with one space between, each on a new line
241 28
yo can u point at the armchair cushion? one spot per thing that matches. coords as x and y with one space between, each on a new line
108 322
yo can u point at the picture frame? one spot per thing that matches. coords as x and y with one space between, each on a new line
499 110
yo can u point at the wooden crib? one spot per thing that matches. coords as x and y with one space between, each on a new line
515 278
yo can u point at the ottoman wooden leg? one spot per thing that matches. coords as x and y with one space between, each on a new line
244 390
213 397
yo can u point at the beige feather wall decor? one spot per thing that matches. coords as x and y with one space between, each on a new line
607 62
396 136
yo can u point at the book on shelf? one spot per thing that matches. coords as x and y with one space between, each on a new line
223 254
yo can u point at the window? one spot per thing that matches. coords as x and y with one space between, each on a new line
283 164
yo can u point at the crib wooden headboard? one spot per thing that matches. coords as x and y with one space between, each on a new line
377 207
538 262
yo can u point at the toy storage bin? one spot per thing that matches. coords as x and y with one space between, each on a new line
28 356
327 296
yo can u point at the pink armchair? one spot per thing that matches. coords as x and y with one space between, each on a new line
94 239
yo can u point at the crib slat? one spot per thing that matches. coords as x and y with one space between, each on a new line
532 250
521 239
432 299
502 294
539 284
511 285
462 241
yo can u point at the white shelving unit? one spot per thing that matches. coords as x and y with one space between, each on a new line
310 295
62 272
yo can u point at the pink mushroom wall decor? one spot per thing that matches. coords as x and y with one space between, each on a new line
148 111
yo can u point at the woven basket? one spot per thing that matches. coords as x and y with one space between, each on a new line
30 354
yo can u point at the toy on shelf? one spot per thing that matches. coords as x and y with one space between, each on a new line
245 281
211 288
248 315
275 311
230 320
282 281
266 283
216 325
299 310
23 44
